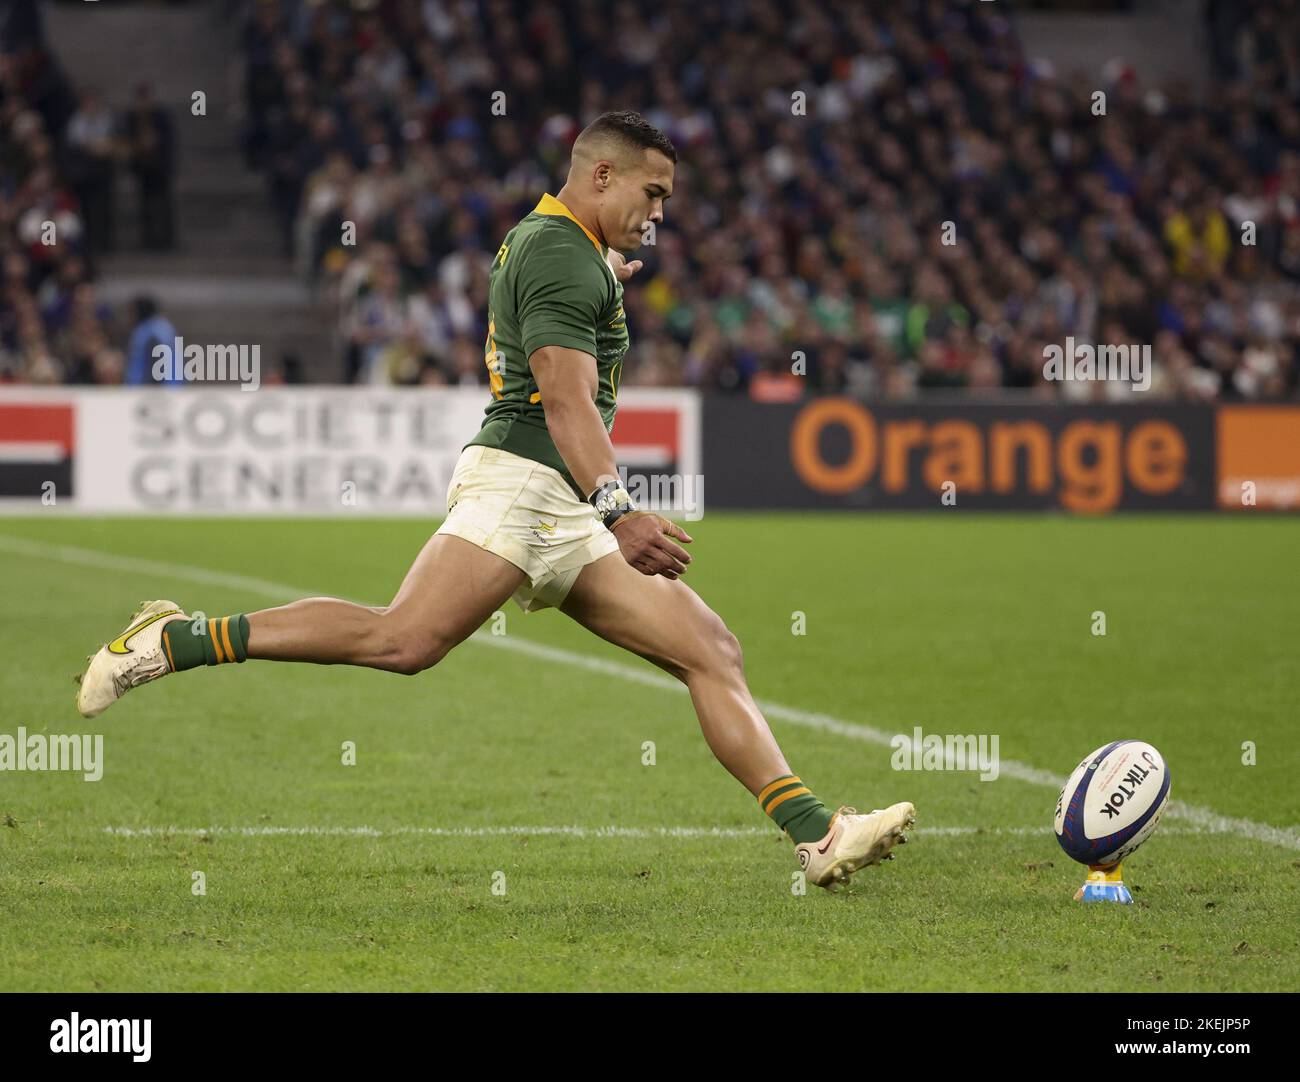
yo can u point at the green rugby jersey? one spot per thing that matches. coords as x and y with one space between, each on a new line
549 286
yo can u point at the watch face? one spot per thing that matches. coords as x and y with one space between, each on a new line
613 501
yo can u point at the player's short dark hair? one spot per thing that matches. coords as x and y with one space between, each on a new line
632 130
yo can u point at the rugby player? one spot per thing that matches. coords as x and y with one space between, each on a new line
536 511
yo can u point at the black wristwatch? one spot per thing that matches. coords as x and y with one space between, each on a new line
611 502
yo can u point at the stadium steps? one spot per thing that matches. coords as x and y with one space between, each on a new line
1163 40
228 280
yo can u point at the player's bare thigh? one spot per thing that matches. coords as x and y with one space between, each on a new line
451 588
662 620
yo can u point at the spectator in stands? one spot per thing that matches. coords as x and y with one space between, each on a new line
92 153
147 131
152 329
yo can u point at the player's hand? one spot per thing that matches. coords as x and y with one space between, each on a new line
647 543
623 270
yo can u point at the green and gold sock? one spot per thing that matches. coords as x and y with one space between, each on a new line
191 643
795 810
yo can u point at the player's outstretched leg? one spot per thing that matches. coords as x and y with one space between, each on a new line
666 622
449 591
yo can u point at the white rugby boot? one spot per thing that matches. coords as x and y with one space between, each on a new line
135 657
854 841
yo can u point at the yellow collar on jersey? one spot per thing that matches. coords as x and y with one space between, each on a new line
548 204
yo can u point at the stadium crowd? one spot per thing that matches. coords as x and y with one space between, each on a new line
59 159
891 191
818 229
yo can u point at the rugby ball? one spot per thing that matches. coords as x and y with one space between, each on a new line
1112 802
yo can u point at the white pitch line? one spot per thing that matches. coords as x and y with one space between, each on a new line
71 554
448 832
553 831
1205 819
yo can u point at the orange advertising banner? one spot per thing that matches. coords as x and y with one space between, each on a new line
1258 457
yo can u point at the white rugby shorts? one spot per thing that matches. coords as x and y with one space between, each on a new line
525 512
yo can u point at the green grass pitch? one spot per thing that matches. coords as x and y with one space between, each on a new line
957 624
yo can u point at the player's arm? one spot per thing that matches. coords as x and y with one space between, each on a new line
566 379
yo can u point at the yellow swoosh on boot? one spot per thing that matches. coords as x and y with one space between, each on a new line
118 645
